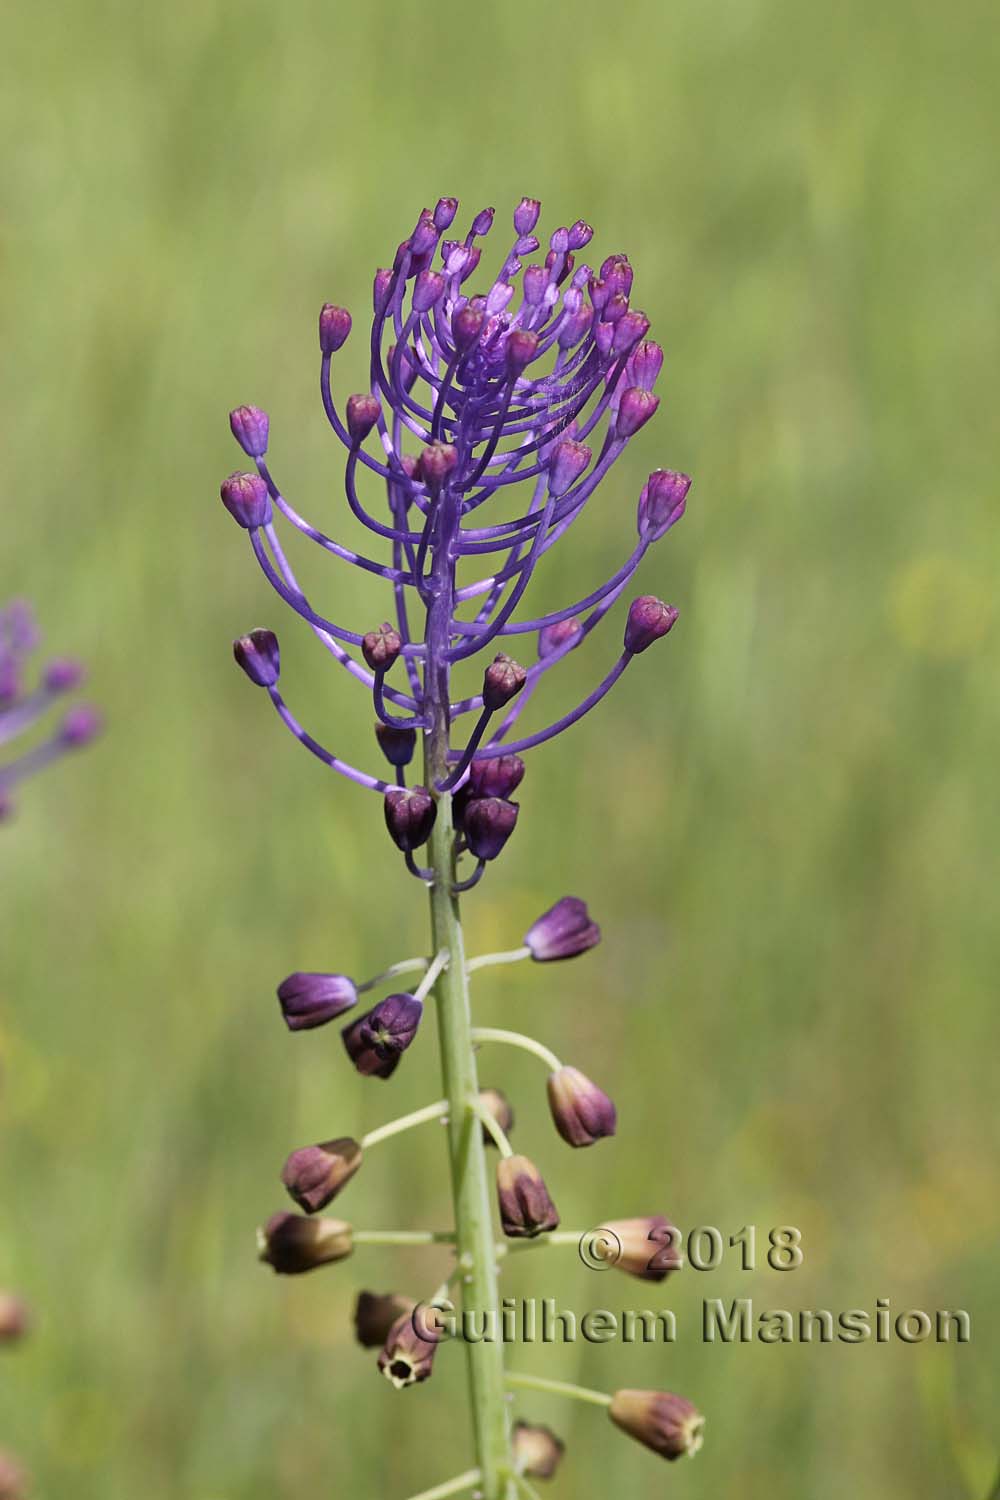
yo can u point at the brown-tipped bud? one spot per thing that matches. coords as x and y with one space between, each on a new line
375 1314
498 1106
503 680
314 1175
634 411
537 1450
668 1424
292 1244
648 619
520 350
409 816
646 1247
334 327
488 823
381 647
466 327
498 777
14 1320
435 464
582 1113
525 1206
13 1481
408 1355
396 742
362 413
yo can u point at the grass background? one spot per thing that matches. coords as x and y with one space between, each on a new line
786 818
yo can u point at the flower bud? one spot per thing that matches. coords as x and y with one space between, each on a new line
631 327
470 262
567 463
377 1040
314 1175
80 725
427 289
435 464
483 222
249 426
310 1000
580 234
645 365
334 327
520 350
526 215
567 261
668 1424
466 327
559 240
499 777
499 295
292 1244
616 272
537 1450
582 1113
396 744
648 619
363 411
563 931
409 816
374 1315
425 236
535 281
661 504
645 1247
444 213
63 675
14 1320
380 289
616 307
634 411
408 1355
488 823
573 327
552 638
504 678
381 647
13 1482
498 1105
525 1206
258 655
527 244
246 499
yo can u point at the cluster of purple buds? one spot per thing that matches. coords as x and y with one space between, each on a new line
27 697
528 381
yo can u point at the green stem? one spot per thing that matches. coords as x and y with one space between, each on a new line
559 1388
517 1039
451 1487
405 966
471 1189
404 1237
405 1122
487 960
495 1129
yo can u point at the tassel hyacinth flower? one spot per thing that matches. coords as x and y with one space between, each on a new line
496 405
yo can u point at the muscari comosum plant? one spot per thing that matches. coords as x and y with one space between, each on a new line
531 389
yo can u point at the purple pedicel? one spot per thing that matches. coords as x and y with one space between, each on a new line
534 376
26 697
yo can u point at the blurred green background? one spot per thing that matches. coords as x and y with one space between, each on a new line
785 819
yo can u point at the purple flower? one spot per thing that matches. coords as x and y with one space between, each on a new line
563 931
582 1112
648 619
310 1000
377 1040
258 655
531 382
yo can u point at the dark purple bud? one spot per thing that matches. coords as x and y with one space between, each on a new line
520 350
381 647
315 1175
525 1206
503 680
377 1040
567 463
617 274
436 462
648 619
648 1248
14 1319
616 307
428 289
526 215
553 638
80 725
63 674
380 290
668 1424
409 816
408 1355
645 365
662 503
498 1106
466 327
631 327
582 1113
258 655
536 279
537 1451
488 823
363 412
445 212
309 1000
634 411
396 744
292 1244
374 1315
334 327
249 427
564 931
499 777
483 222
425 236
580 234
246 499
